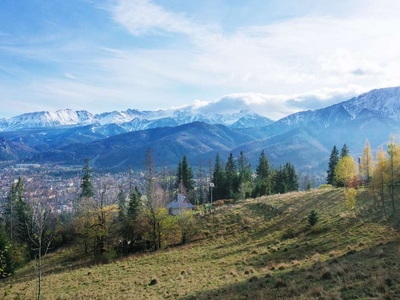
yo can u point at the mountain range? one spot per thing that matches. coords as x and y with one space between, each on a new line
129 120
115 140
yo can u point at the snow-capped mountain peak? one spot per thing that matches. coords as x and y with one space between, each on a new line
62 117
385 101
129 120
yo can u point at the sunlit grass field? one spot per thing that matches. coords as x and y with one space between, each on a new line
256 249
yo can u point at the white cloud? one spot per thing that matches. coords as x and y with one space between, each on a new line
277 106
295 55
142 16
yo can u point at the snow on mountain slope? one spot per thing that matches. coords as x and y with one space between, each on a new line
384 102
130 120
62 117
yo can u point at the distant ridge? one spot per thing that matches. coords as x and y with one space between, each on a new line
130 120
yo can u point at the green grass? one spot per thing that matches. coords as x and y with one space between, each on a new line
256 249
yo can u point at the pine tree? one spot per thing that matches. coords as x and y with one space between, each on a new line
130 225
313 218
333 161
218 180
6 259
201 184
10 217
285 179
134 204
245 173
263 181
279 181
345 151
184 179
86 185
231 178
184 175
244 168
121 204
17 214
187 175
292 179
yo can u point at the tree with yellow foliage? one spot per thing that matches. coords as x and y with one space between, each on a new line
345 171
350 195
393 168
380 179
367 163
94 222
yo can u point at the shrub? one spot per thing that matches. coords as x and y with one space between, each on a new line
313 218
350 195
325 186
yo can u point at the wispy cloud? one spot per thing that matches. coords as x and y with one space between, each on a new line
142 16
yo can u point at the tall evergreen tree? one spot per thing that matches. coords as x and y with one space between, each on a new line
121 204
285 179
279 182
86 184
292 178
263 180
184 175
333 161
244 168
10 215
187 175
231 177
134 204
245 174
6 259
17 214
201 184
218 180
184 179
129 225
345 151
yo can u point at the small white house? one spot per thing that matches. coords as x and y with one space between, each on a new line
180 205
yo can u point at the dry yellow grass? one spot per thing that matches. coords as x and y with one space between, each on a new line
246 252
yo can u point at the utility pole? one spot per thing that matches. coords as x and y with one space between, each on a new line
211 193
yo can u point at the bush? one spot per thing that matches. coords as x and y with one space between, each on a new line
325 186
350 195
313 218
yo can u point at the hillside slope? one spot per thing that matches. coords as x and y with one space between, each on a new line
256 249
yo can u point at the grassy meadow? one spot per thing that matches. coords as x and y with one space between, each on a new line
256 249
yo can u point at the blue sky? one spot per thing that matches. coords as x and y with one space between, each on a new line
272 57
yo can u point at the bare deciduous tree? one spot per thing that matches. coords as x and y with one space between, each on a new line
41 236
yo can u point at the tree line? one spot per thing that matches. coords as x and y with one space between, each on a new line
235 179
